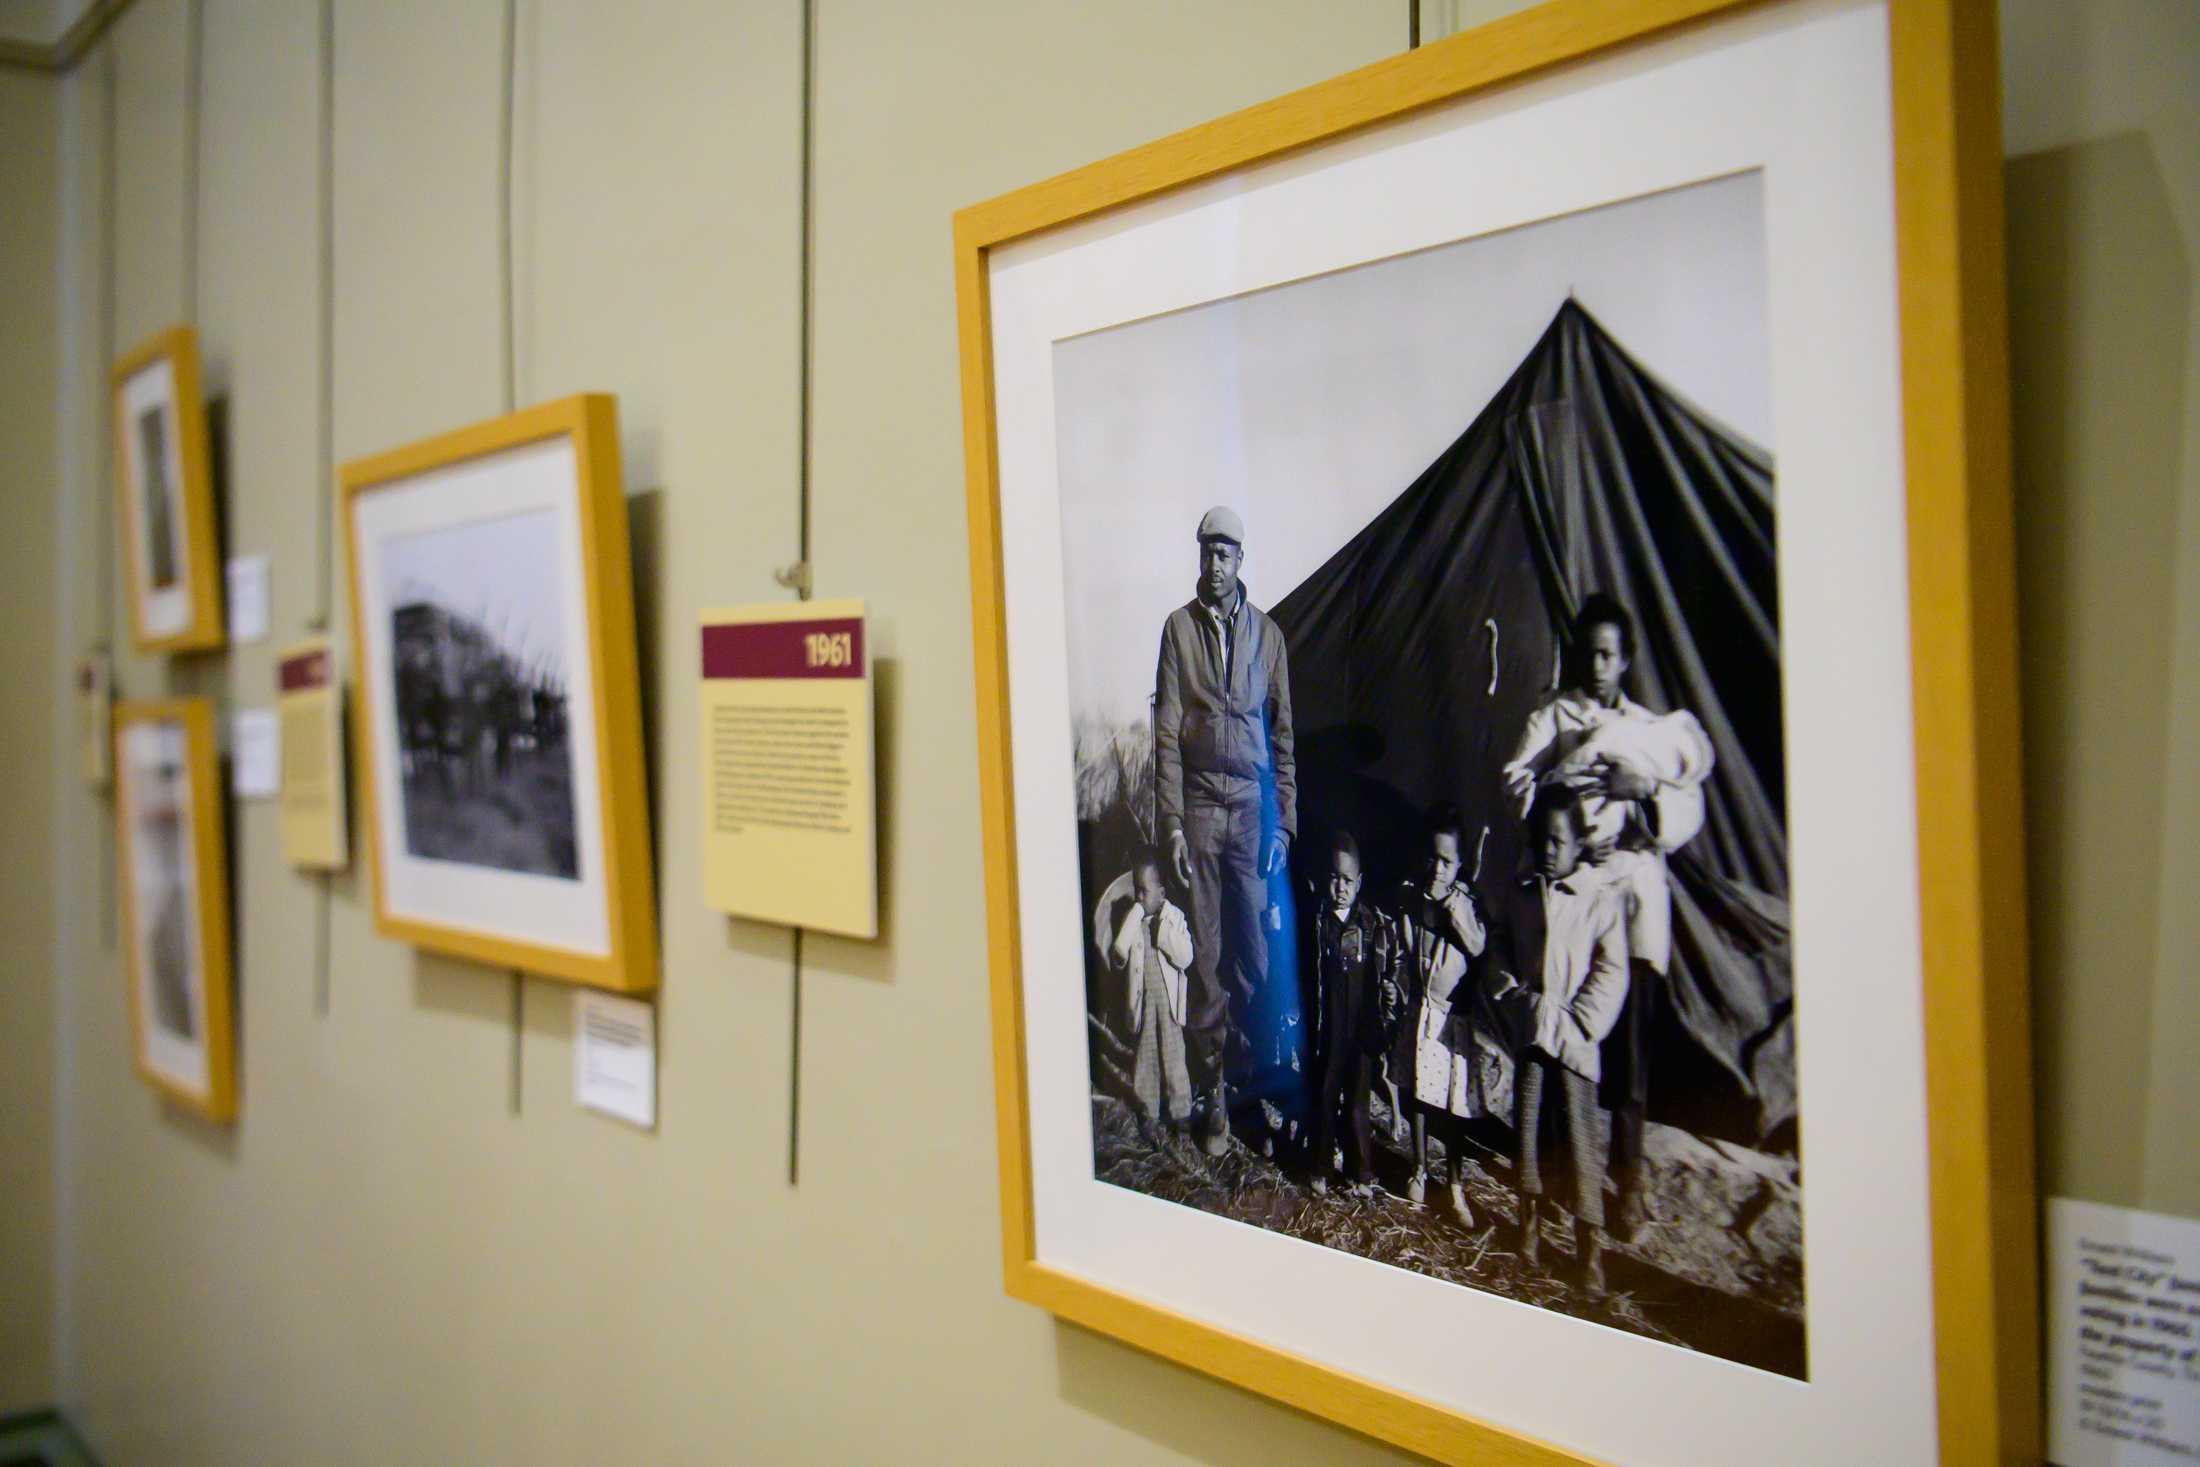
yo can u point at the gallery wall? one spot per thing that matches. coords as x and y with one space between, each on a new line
387 1256
2102 124
31 733
412 1245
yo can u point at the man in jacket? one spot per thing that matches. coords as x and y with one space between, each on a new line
1227 787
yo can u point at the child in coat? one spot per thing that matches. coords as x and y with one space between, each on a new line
1152 949
1359 1003
1557 970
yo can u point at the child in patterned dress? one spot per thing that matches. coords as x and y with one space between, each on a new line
1152 949
1440 933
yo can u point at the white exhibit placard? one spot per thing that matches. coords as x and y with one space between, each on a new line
2123 1336
615 1057
249 599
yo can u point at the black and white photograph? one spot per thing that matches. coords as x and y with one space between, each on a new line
157 500
1424 665
164 495
174 886
480 668
162 899
499 722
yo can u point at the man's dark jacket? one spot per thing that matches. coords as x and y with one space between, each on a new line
1213 724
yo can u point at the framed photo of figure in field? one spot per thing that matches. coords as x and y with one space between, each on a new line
1476 908
174 858
499 713
164 496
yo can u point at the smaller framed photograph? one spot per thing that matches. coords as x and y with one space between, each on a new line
165 496
499 709
175 901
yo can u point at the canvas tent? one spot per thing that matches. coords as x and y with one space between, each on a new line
1419 649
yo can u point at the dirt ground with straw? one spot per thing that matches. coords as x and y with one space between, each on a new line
1717 1268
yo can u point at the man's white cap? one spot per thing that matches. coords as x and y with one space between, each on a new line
1222 523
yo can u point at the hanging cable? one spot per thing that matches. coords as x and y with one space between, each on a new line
506 119
194 72
325 405
105 534
802 576
505 125
107 271
325 448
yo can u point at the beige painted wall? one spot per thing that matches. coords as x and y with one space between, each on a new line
382 1260
30 730
2102 123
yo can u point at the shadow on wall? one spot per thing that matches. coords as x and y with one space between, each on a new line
1189 1415
215 1138
2099 301
462 989
645 541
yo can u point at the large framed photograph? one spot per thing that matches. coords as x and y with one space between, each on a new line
174 858
499 707
1491 596
165 497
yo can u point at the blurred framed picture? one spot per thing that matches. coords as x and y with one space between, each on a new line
165 497
175 901
1453 550
499 714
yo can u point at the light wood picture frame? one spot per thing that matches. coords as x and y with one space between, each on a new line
172 851
1028 265
497 713
164 496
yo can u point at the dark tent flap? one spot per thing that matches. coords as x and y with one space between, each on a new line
1419 650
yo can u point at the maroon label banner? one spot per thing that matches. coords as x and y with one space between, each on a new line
306 671
784 649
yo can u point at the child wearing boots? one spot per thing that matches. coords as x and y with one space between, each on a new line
1558 972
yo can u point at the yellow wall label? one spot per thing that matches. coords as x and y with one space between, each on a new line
790 808
309 700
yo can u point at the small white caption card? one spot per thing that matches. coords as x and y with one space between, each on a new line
2123 1337
615 1057
256 754
248 599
